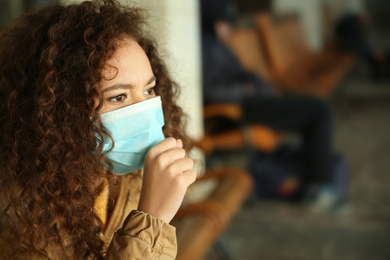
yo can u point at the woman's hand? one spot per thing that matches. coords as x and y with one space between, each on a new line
167 175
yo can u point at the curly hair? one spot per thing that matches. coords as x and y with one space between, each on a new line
51 165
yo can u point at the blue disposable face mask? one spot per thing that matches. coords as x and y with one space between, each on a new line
135 130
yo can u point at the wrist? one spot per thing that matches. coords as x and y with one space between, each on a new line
153 212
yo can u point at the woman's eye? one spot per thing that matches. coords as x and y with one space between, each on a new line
149 91
118 98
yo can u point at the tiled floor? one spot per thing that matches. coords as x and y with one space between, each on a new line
269 230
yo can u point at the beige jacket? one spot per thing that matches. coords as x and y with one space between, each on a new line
128 233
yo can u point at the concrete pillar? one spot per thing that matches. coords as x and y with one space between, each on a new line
176 27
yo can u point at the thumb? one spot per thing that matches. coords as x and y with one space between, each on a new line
179 143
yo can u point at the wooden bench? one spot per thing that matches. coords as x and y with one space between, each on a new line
199 225
294 67
258 136
246 44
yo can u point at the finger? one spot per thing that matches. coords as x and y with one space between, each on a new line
162 146
180 184
166 144
179 143
188 177
167 157
179 166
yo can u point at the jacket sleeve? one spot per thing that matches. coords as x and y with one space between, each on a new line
143 236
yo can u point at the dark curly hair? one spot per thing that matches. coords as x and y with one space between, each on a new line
51 168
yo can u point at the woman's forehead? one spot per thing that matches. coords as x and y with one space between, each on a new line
129 64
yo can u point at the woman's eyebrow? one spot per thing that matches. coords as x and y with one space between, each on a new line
151 80
127 86
118 86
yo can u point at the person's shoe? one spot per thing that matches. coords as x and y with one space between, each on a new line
328 200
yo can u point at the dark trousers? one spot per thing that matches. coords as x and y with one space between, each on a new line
308 116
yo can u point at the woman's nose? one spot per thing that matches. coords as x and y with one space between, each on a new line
138 97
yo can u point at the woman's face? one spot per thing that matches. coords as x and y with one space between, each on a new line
127 77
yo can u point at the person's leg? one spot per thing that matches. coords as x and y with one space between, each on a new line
308 116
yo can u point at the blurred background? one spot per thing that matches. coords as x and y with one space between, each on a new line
336 51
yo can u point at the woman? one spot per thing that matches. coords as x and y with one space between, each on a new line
81 89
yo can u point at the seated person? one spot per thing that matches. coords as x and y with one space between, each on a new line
351 23
225 80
